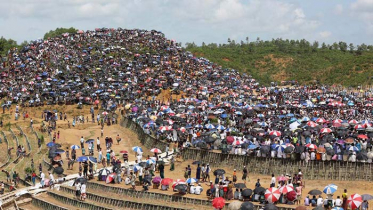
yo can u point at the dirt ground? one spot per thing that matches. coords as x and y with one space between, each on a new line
89 130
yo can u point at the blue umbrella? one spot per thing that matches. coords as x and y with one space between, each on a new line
220 127
282 146
305 119
82 159
50 144
191 107
263 124
290 115
260 115
150 161
191 180
274 146
89 141
92 159
252 146
238 113
353 148
209 126
136 168
330 189
223 115
137 149
337 208
198 126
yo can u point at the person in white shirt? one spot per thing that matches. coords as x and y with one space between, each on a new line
98 144
338 202
273 181
42 177
83 192
77 190
353 157
51 180
198 189
320 201
139 156
313 155
192 189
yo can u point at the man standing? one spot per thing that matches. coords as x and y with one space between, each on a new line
244 175
42 178
273 181
98 144
82 142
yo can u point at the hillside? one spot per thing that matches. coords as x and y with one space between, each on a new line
280 60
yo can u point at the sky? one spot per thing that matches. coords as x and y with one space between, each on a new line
196 20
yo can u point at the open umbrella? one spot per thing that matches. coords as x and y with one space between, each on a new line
89 141
218 203
59 151
156 150
50 144
315 192
219 172
330 189
291 196
123 152
259 190
286 188
191 180
247 206
367 197
58 170
235 205
246 193
270 206
75 147
166 181
157 180
82 159
110 178
180 187
136 149
282 178
92 159
354 201
81 180
272 194
240 185
337 208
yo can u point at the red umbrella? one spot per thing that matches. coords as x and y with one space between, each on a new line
362 136
339 121
166 181
311 124
325 130
110 178
285 189
354 201
156 150
272 194
97 102
291 196
320 120
275 133
311 146
218 203
123 152
282 178
359 127
230 139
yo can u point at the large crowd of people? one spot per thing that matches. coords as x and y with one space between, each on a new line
209 107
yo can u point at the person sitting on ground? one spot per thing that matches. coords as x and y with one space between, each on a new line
192 189
198 189
165 187
146 186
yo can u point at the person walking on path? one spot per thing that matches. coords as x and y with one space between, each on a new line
198 172
244 174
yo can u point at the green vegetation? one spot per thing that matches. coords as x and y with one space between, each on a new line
59 32
284 60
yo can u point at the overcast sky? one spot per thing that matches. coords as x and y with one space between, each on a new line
196 20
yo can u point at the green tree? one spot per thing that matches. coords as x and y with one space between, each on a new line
351 47
59 32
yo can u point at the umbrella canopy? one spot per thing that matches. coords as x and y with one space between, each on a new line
286 188
123 152
50 144
315 192
354 201
367 197
291 196
136 149
180 187
75 147
81 180
191 180
330 189
272 194
218 203
110 178
92 159
337 208
156 150
82 159
219 172
235 205
246 193
58 170
247 206
166 181
157 180
240 185
259 190
270 206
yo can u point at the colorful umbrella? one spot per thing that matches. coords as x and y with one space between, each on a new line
191 180
325 130
275 133
272 194
362 136
75 147
218 203
330 189
166 181
82 159
285 189
105 113
320 121
311 146
156 150
123 152
354 201
282 178
136 149
311 124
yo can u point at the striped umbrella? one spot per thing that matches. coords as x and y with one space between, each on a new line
311 146
191 180
359 127
311 124
209 126
285 189
272 194
325 130
353 122
320 121
337 121
354 201
330 189
137 149
156 150
275 133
